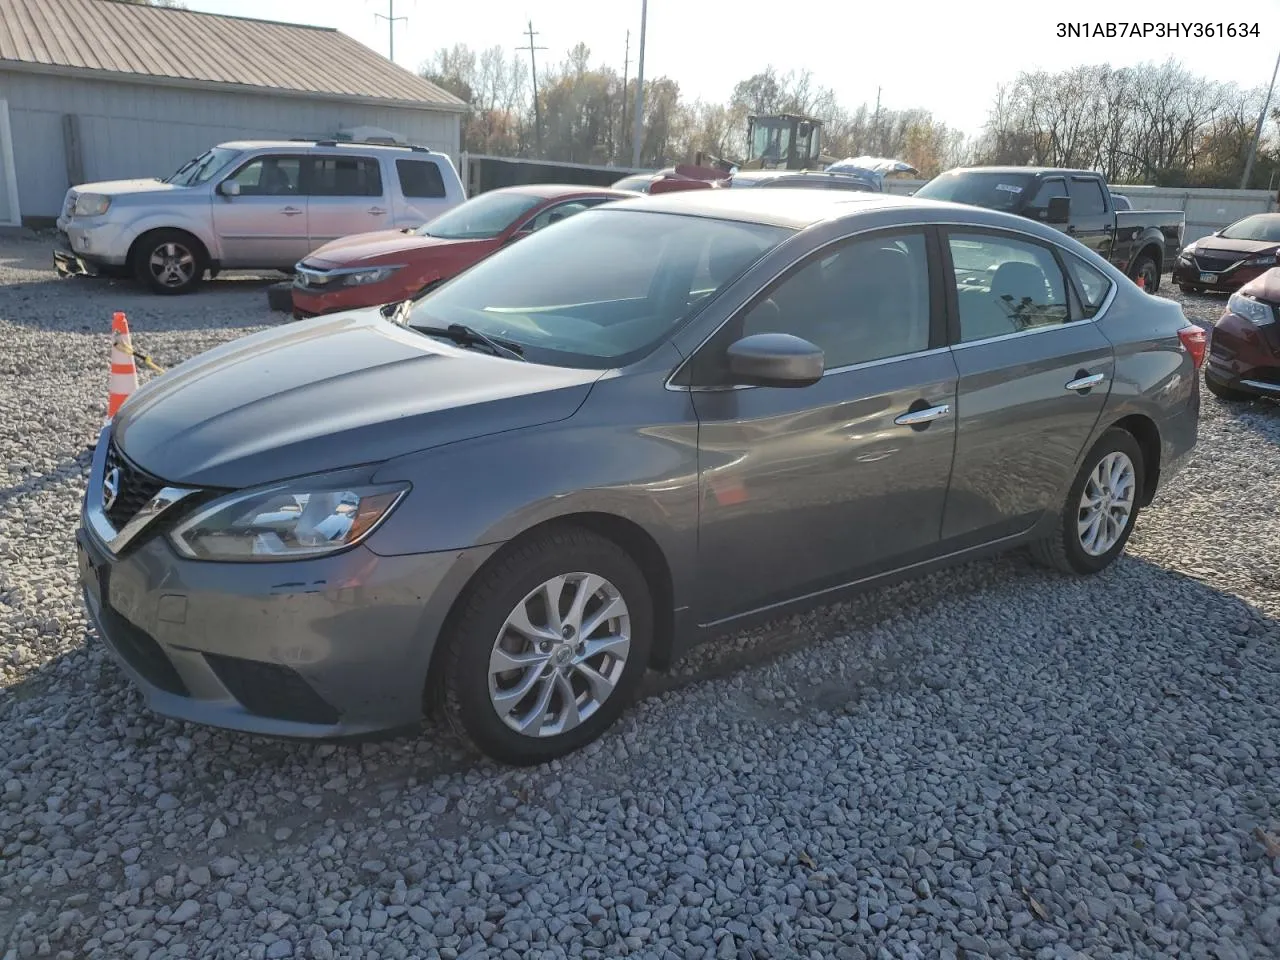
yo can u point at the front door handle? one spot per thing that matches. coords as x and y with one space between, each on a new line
1081 384
291 211
916 418
377 211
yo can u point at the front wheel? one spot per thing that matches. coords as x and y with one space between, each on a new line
549 646
1100 510
170 261
1147 270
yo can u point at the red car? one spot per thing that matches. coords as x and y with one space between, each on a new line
1229 258
387 266
1244 351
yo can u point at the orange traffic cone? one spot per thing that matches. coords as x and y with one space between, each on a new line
1142 283
124 374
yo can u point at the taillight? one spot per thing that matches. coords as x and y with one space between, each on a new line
1194 339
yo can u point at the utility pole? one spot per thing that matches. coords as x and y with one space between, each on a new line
533 66
875 125
1257 131
626 64
391 19
637 131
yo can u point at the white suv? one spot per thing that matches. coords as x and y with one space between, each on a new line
249 205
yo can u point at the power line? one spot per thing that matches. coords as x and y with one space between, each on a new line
533 66
391 19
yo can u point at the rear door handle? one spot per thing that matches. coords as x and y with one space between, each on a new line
377 211
917 418
291 211
1081 384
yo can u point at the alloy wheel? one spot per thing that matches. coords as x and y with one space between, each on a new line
1106 503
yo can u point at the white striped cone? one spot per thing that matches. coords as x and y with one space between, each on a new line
124 373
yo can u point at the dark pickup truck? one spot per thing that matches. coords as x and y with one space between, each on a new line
1142 243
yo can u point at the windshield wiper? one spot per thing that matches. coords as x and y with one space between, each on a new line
468 336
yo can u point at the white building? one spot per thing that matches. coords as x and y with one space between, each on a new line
104 90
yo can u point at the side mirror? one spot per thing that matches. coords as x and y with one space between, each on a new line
775 360
229 188
1059 210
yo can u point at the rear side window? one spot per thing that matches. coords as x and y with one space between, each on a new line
1086 198
1094 284
420 178
1005 286
345 177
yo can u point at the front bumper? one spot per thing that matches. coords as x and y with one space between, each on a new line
330 647
68 263
1245 357
309 302
1231 279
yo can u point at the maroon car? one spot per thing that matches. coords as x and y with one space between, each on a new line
1231 257
1244 351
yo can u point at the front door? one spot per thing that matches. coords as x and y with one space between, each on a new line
266 225
346 195
1035 372
805 489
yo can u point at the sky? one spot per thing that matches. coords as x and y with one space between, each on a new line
948 57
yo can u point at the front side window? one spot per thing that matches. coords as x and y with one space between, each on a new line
1086 198
867 300
345 177
1056 187
270 177
1005 286
480 218
602 289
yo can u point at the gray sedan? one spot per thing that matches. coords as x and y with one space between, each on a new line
656 422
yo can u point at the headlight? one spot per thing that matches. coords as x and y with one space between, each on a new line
90 205
290 521
1255 311
362 277
1268 261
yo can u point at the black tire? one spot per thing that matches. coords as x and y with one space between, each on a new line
1190 288
461 672
1223 392
1063 550
184 262
1147 267
280 296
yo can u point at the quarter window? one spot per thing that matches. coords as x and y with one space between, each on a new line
868 300
1005 286
420 178
1094 284
269 177
345 177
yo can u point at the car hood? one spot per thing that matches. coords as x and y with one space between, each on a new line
337 391
377 246
1265 286
1235 246
114 188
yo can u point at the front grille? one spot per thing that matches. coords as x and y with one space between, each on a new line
1215 261
141 651
135 487
271 690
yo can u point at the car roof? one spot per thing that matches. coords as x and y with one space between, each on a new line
321 144
554 191
794 208
789 174
1034 171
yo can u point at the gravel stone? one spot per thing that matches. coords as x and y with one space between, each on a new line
925 771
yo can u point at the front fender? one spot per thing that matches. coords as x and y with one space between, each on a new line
175 218
605 459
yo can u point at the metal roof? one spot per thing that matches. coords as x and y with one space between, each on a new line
127 41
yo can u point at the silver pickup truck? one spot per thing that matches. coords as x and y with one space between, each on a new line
249 205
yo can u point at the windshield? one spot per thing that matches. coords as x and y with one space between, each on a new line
201 168
979 188
602 289
480 218
1258 227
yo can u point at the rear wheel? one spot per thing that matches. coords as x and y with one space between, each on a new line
1100 510
1223 392
1146 268
549 646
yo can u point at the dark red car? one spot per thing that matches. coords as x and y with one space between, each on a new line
1231 257
1244 351
387 266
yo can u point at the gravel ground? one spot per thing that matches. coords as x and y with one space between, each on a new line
991 761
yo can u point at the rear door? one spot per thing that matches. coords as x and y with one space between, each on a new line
1035 372
345 195
1092 220
266 225
805 489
